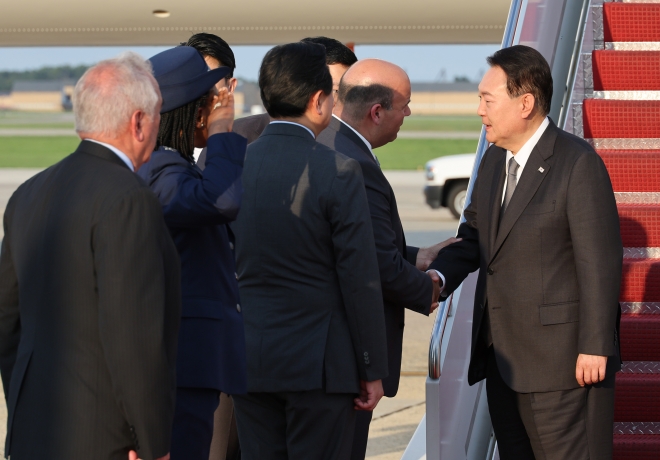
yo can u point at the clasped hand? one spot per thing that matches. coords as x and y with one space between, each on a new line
426 256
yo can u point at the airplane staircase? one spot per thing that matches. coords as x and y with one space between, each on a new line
621 119
605 62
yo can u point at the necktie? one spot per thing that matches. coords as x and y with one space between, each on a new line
511 182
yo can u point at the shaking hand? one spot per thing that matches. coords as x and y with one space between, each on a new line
426 256
437 289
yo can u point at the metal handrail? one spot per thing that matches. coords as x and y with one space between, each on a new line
439 327
575 61
440 324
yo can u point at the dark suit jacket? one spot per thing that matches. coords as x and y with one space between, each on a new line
403 285
249 127
197 207
550 275
89 313
307 268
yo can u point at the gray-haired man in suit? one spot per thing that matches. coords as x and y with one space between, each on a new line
542 227
89 287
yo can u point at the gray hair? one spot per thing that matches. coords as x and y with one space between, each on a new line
108 94
358 99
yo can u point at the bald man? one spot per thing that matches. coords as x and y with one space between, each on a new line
372 102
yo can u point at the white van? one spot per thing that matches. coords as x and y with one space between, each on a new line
447 181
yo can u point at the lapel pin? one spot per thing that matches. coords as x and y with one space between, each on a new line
541 170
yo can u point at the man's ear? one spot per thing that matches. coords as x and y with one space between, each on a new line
527 102
376 114
317 100
231 85
137 125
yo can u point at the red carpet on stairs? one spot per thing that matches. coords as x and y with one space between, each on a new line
632 170
622 120
640 341
636 397
612 70
640 225
631 22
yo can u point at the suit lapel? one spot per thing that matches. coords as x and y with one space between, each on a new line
350 134
496 190
535 172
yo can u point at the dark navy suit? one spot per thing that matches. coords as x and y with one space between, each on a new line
197 206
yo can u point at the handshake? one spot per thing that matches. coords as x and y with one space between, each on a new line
425 257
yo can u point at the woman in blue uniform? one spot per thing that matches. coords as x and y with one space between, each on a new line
198 206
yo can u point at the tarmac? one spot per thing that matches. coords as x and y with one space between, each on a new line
395 419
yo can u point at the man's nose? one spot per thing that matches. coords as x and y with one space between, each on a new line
481 108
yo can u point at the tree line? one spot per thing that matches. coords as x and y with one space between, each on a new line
7 78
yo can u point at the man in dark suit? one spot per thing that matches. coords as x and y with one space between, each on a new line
308 275
371 106
89 287
543 229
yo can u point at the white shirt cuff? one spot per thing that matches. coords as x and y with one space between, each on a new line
442 277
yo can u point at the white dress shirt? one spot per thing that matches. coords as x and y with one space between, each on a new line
366 142
523 154
295 124
122 156
521 158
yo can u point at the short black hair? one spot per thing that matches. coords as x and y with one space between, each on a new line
215 47
335 51
526 71
358 99
290 75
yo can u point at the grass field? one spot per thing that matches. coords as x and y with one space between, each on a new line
34 152
413 123
414 153
36 126
442 123
41 152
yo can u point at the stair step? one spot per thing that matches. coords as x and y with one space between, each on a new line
605 118
640 308
632 170
636 446
640 281
631 22
637 398
640 225
612 70
640 339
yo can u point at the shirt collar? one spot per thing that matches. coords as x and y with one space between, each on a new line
295 124
122 156
526 150
366 142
